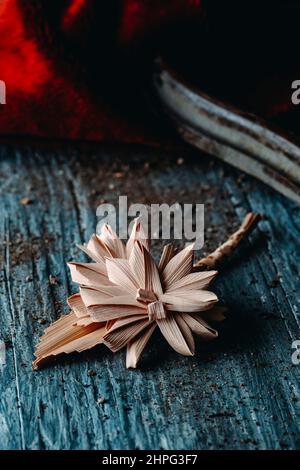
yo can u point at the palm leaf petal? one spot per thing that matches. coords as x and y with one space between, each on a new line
137 263
137 234
112 242
100 313
124 331
136 346
152 278
63 337
76 304
200 327
193 281
95 296
96 246
179 266
120 273
169 251
173 334
186 332
189 301
88 274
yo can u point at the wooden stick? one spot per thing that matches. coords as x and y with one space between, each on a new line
248 224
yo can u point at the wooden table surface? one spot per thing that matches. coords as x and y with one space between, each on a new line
240 392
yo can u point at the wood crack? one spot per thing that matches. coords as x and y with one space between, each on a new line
13 333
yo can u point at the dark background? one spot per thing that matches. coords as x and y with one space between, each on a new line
92 62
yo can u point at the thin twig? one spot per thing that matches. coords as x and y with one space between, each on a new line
248 224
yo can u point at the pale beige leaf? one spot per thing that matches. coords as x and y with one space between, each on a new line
84 321
139 234
136 346
169 251
111 312
144 269
120 273
120 335
76 304
171 331
94 296
121 300
193 281
199 326
96 246
88 274
186 331
112 242
124 322
137 263
152 277
179 266
189 301
63 337
98 260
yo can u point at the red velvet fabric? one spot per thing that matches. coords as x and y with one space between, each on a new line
76 68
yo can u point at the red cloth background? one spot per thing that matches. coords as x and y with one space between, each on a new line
75 68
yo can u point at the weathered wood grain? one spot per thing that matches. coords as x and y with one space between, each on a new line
239 392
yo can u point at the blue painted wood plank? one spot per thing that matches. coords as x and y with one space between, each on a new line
239 392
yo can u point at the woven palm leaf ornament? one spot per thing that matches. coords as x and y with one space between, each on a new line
124 296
